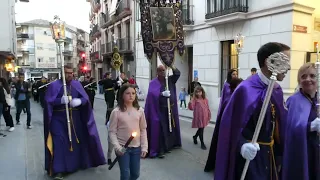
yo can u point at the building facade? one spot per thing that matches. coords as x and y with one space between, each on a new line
8 36
112 25
209 39
39 55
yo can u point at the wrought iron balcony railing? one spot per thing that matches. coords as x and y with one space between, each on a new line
109 47
125 44
124 9
187 14
103 48
216 8
23 35
67 52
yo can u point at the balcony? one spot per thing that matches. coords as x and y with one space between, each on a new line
124 9
68 40
80 48
187 14
22 35
103 48
105 21
67 53
80 38
97 6
25 50
95 32
94 55
221 12
125 45
109 47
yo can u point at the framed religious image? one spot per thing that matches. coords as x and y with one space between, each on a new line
163 23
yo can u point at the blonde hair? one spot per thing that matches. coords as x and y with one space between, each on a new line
305 68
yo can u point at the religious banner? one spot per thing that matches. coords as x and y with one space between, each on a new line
162 29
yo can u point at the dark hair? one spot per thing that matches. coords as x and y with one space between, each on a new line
229 76
107 74
21 74
121 104
5 85
234 83
253 69
266 50
199 88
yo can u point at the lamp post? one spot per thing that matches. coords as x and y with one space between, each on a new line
58 34
238 41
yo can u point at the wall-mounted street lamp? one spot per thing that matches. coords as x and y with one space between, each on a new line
238 41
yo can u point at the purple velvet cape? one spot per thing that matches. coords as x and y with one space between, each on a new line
295 158
225 96
152 113
96 153
243 102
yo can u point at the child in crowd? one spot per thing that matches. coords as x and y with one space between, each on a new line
182 97
201 114
126 118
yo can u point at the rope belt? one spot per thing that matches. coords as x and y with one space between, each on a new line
272 158
109 89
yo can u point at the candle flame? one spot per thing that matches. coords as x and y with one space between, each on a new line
134 134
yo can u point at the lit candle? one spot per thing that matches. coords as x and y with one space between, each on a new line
133 135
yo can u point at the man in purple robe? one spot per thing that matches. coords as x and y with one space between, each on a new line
239 122
161 140
85 150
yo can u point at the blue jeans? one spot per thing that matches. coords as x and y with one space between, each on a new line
129 164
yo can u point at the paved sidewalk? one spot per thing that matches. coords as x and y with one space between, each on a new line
13 152
185 113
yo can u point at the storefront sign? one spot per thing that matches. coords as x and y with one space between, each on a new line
300 29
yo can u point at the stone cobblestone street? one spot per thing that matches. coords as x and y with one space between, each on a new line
22 153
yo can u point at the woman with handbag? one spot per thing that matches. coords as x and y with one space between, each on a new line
7 105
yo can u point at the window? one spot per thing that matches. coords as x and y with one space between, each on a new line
52 59
40 59
51 47
39 46
229 59
138 15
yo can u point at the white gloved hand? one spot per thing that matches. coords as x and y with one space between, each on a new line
315 125
166 93
119 83
75 102
64 100
249 150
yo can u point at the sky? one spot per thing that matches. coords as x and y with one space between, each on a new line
73 12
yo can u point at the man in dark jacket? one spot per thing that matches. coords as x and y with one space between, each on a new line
22 97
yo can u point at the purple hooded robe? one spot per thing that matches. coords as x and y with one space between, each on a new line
226 93
239 121
156 113
298 161
88 151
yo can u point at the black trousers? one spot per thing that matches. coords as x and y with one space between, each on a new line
7 116
20 105
109 97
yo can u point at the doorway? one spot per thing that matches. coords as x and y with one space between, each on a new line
229 60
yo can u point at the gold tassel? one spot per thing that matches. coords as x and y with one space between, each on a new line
78 141
71 149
